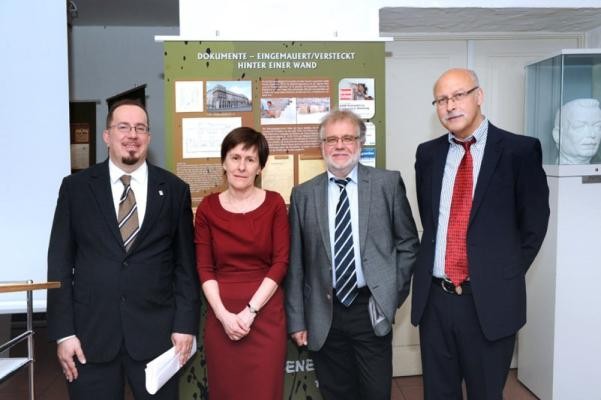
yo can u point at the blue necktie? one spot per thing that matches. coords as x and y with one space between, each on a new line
344 253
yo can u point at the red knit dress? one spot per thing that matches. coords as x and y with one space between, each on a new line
238 250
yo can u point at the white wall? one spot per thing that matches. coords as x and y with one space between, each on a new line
34 133
593 38
105 61
279 20
329 19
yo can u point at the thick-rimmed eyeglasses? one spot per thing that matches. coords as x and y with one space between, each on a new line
126 128
443 101
346 139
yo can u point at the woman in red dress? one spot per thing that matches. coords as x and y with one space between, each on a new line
242 243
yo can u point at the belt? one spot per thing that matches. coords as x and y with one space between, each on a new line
448 287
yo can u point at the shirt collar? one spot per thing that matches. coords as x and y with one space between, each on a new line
352 175
139 175
478 134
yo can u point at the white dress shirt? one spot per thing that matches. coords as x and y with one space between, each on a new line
454 156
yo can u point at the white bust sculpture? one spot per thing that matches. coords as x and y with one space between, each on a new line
580 131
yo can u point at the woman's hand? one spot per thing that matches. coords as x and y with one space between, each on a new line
233 325
246 317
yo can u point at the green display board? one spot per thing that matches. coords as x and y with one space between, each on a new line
282 89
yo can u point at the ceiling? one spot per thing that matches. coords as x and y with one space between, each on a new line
459 20
393 20
125 12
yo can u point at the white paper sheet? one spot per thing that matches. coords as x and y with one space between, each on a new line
162 368
188 96
202 137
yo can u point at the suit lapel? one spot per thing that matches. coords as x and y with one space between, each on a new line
155 198
320 193
364 191
439 159
492 153
100 184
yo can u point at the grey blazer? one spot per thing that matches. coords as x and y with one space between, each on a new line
388 241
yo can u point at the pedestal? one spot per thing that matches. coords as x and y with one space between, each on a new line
559 348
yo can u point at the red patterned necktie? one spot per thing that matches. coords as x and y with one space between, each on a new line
456 268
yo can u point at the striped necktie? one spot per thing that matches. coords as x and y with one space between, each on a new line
128 214
344 253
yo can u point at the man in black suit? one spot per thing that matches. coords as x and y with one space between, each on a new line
129 289
483 201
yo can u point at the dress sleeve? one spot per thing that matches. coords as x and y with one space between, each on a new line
281 242
202 237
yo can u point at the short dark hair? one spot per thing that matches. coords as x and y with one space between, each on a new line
125 102
250 139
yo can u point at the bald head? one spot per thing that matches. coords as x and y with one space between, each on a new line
463 73
458 97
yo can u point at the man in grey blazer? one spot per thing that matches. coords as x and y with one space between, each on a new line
353 246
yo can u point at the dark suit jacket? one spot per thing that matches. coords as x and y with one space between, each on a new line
109 296
388 241
508 222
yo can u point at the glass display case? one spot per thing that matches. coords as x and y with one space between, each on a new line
563 95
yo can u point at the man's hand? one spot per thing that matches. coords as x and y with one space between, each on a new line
183 346
300 338
65 351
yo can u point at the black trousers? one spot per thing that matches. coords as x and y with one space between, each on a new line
454 349
104 381
354 363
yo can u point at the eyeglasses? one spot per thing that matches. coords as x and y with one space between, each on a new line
346 139
443 101
126 128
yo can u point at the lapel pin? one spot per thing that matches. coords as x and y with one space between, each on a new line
160 192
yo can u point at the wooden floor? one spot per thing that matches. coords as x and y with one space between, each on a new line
411 388
50 383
